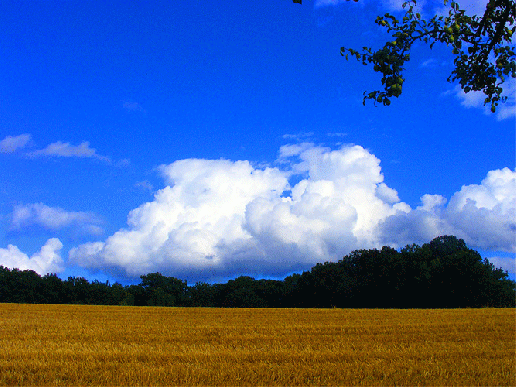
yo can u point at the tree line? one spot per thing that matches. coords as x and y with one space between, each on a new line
443 273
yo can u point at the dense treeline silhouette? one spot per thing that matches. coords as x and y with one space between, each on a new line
444 273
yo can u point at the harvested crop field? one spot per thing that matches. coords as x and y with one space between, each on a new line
99 345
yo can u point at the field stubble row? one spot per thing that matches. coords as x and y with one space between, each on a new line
95 345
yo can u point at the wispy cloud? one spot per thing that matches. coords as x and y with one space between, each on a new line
123 163
337 134
54 218
65 149
12 143
472 7
302 136
432 63
145 185
133 106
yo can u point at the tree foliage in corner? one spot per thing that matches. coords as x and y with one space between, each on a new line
483 48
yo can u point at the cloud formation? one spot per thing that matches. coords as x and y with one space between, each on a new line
484 215
65 149
219 218
54 218
476 99
11 143
195 222
47 260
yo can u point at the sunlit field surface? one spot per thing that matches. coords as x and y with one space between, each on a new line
98 345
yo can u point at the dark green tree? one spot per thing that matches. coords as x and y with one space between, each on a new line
77 290
52 289
22 286
242 293
202 294
136 296
6 285
443 273
460 278
118 295
290 286
163 291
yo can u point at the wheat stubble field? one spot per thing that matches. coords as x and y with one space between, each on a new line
98 345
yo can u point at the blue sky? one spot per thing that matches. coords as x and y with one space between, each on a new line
207 140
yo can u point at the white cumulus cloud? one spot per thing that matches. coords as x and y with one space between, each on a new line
484 215
54 218
219 218
196 222
47 260
11 143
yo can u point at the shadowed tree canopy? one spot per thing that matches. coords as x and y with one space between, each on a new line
482 45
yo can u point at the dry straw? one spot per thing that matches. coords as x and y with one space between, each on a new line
98 345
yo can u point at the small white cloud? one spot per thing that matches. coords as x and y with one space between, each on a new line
145 185
475 99
65 149
337 134
54 218
298 136
11 143
430 63
133 106
471 99
48 260
123 163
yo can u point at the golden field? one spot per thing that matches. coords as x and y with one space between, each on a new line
99 345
